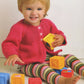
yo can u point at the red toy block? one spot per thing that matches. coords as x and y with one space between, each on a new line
67 73
35 81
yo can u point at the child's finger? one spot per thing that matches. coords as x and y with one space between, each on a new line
20 61
13 63
10 61
56 37
6 62
55 43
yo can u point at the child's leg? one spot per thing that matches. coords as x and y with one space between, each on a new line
41 70
75 64
72 62
46 73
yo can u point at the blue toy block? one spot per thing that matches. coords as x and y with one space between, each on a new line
59 70
4 78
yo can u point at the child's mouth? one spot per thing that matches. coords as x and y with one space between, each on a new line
33 18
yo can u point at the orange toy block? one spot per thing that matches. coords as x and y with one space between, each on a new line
57 62
48 40
17 79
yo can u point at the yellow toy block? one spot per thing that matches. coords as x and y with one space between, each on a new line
57 62
17 79
48 40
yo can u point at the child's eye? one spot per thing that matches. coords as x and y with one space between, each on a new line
39 9
29 9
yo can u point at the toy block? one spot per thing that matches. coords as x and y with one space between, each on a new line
57 62
48 40
67 73
17 79
59 70
34 81
4 78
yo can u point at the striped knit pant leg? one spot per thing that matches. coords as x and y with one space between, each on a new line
41 70
74 63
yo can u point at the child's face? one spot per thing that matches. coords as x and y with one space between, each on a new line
33 13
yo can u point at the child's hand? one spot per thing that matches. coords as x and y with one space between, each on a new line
12 59
59 40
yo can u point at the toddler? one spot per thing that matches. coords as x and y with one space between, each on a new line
24 45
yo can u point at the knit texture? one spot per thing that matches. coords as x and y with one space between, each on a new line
25 41
75 64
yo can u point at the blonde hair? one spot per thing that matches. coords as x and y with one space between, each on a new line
44 2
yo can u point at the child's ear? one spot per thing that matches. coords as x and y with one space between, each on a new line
21 10
45 15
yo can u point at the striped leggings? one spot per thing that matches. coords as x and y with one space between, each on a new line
48 74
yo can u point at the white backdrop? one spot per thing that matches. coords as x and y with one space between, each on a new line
68 15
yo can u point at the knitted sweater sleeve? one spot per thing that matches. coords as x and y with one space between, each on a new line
55 30
11 44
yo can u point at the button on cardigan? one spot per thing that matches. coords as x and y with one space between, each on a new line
25 40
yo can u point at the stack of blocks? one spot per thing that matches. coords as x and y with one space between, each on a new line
58 63
17 79
4 78
48 40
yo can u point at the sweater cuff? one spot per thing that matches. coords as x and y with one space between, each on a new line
9 54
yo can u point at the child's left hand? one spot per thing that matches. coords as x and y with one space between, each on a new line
59 40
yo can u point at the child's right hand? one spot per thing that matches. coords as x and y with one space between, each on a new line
12 59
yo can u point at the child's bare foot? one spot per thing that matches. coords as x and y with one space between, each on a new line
72 80
83 73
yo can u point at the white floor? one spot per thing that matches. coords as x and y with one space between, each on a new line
11 70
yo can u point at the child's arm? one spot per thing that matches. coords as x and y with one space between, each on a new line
11 44
12 59
61 38
56 31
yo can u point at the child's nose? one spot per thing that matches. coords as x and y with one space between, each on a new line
34 12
